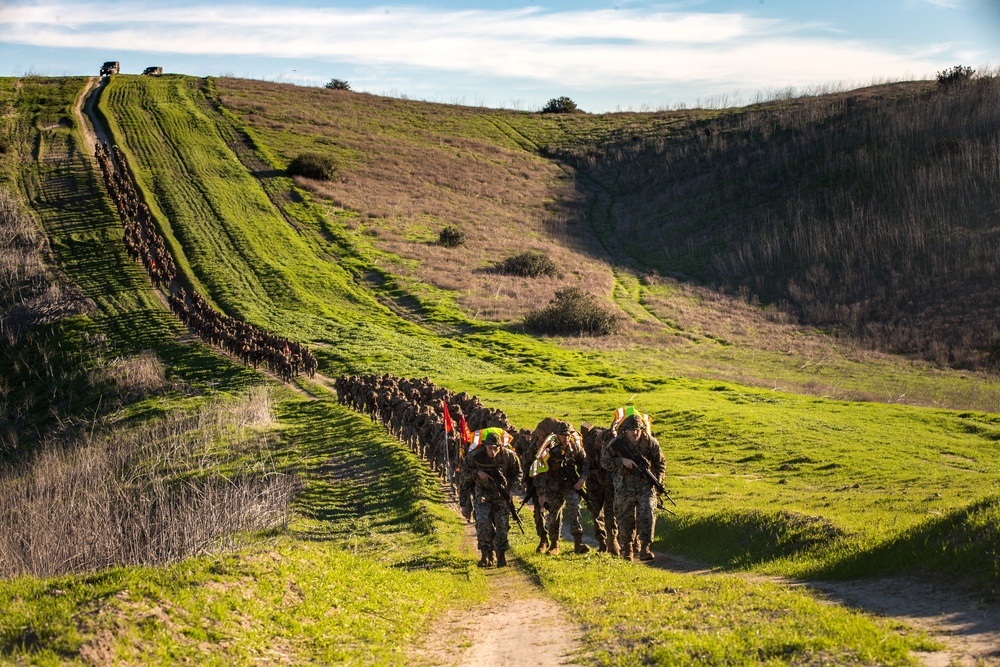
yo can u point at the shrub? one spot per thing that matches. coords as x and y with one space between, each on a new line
314 165
573 312
338 84
955 75
529 264
559 105
451 237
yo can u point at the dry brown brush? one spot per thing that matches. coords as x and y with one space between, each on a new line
143 495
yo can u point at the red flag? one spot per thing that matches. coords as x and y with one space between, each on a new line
464 429
448 426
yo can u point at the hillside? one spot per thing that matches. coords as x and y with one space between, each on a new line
353 554
873 212
649 209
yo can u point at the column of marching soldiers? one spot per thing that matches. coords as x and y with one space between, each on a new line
412 410
285 358
416 412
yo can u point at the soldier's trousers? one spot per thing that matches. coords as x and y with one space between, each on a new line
601 501
492 522
569 500
539 516
636 513
465 502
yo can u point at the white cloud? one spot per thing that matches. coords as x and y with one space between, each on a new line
575 48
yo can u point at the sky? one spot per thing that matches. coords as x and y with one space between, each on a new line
607 55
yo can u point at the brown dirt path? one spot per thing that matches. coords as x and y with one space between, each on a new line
520 626
84 111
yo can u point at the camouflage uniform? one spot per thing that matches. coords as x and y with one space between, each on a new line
635 496
530 449
601 490
491 511
567 464
466 486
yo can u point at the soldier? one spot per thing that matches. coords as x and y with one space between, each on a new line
559 471
635 496
492 471
601 489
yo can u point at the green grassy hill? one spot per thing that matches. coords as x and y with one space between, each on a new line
775 464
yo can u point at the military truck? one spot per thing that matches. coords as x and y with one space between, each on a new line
153 71
110 67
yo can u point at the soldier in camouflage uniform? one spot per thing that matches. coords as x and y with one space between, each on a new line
486 470
601 489
635 496
560 471
529 448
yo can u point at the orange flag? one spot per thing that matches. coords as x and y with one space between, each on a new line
448 426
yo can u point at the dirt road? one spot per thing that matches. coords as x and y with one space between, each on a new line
523 626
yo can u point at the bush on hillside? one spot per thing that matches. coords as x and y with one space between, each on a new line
451 237
573 312
338 84
316 166
955 75
560 105
528 264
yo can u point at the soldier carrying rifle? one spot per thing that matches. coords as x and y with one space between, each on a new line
636 464
492 471
559 471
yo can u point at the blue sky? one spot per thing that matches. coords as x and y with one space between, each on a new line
606 55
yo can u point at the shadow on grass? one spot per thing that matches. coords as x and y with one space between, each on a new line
964 544
737 540
436 562
360 480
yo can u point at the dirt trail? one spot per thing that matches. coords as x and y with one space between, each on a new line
522 627
84 110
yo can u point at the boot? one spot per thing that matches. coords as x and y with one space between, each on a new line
645 553
627 552
553 547
501 559
602 545
613 548
578 545
543 544
487 558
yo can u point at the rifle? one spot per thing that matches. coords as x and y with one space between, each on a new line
530 492
642 464
501 483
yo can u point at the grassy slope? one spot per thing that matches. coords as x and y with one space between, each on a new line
727 442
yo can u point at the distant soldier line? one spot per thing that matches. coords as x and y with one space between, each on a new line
144 244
